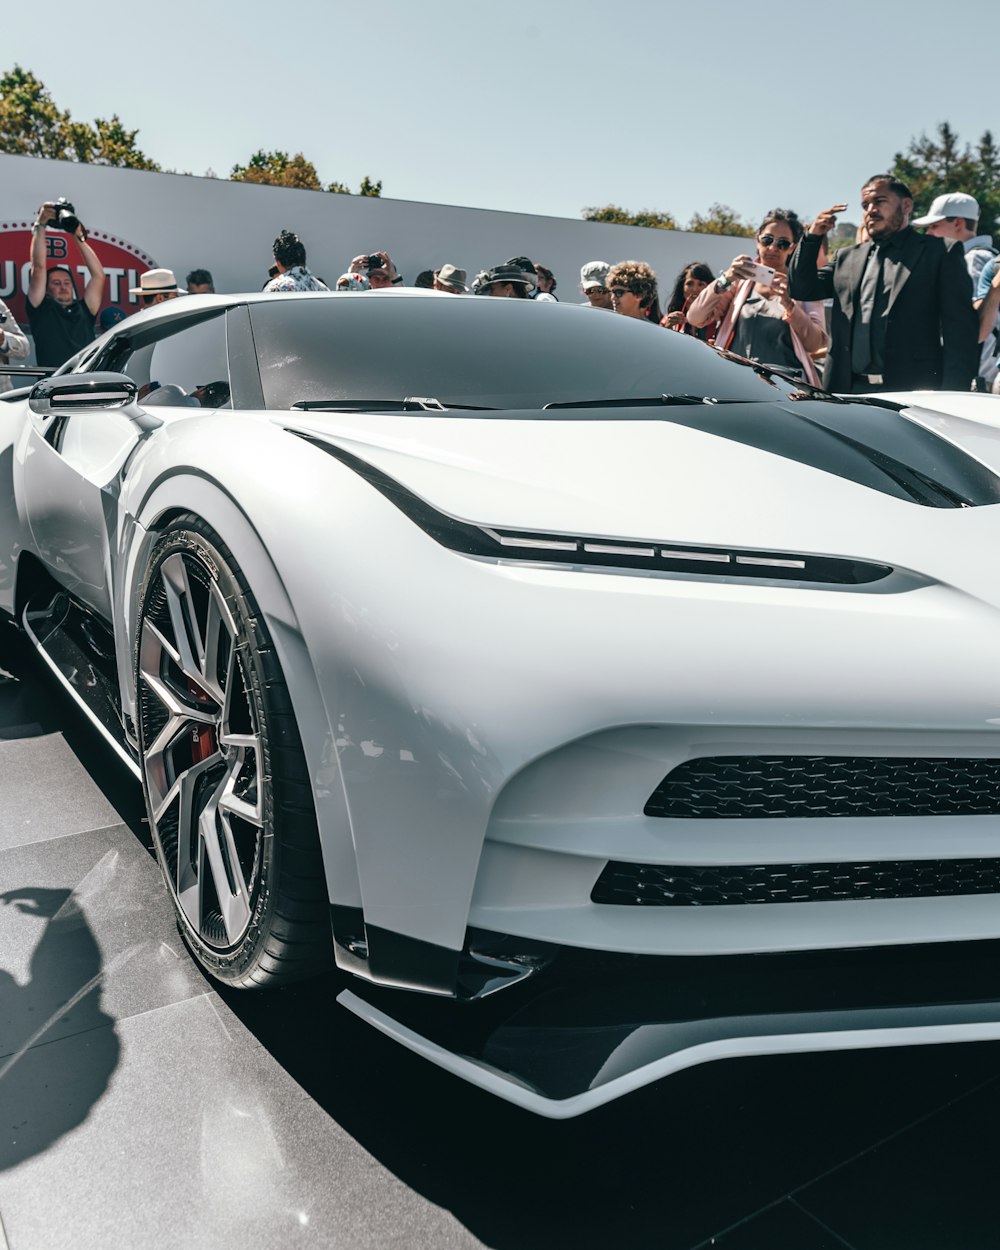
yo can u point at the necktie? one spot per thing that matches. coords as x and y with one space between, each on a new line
861 326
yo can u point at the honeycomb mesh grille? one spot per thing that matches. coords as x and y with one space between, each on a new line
771 787
660 885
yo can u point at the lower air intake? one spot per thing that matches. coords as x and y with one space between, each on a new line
661 885
766 787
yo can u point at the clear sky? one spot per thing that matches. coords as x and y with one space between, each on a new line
538 106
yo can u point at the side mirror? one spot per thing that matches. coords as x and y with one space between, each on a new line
82 392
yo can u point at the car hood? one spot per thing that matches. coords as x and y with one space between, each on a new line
653 479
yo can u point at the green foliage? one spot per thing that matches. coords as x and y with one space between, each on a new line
720 219
32 125
367 187
932 167
620 217
278 169
843 234
109 143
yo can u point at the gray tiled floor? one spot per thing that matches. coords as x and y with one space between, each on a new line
220 1143
46 793
135 1109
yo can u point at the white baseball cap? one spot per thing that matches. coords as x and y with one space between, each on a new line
594 273
958 204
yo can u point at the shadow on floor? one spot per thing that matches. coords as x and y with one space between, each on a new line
42 1099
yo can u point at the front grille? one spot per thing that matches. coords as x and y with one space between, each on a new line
773 786
662 885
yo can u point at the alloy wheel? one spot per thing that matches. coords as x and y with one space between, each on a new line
202 751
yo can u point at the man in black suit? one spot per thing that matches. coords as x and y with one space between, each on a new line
902 304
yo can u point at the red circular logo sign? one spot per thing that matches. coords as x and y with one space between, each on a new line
123 263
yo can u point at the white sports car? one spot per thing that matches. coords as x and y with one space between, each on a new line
603 705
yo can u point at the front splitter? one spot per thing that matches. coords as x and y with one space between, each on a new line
572 1042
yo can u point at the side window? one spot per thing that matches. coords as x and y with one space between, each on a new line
188 369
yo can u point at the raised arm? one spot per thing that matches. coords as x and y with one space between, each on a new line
805 281
713 301
37 274
93 292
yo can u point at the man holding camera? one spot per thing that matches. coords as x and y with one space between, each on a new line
378 269
61 323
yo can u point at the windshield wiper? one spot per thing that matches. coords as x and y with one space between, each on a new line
412 403
643 401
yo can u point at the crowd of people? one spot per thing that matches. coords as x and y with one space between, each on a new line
896 310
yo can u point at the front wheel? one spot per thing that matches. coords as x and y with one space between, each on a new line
226 786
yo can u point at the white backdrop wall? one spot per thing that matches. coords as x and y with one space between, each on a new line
228 227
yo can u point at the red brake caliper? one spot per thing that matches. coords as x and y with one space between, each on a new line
203 741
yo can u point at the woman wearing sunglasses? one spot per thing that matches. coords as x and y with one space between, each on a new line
761 320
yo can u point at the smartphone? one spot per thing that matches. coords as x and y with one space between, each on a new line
763 274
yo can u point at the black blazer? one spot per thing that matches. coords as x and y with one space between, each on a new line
932 330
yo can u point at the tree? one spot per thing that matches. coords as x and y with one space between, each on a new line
109 143
720 219
843 234
32 125
30 122
367 187
932 167
278 169
620 217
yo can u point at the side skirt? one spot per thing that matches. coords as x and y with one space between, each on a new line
79 651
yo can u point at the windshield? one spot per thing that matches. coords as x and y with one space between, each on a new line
483 353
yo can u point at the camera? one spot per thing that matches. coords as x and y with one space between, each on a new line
65 218
374 262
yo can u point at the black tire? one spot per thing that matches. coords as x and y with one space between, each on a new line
227 791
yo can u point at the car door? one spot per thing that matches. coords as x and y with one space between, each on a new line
72 466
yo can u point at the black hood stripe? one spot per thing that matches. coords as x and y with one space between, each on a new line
876 448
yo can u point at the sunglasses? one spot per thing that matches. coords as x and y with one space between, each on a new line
618 291
597 290
769 240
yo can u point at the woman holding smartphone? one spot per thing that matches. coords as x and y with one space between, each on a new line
759 319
